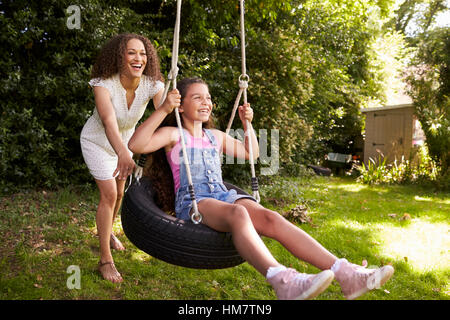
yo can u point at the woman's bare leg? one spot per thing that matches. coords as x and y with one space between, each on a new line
234 218
104 218
271 224
114 241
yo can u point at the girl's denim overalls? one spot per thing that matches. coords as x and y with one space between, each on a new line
206 177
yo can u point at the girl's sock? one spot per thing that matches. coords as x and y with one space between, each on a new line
272 271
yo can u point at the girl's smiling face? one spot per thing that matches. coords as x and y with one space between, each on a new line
197 103
135 59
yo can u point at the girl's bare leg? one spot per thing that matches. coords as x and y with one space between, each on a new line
271 224
234 218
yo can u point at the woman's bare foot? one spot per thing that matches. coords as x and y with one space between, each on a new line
109 272
115 243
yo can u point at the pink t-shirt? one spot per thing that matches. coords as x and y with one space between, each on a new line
173 156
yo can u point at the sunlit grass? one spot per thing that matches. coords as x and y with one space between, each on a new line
140 256
441 201
417 232
351 187
423 245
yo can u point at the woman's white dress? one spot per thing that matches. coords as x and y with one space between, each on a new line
99 155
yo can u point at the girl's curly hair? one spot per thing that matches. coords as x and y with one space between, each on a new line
110 60
157 168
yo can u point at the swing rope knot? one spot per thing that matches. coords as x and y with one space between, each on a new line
243 81
243 84
173 73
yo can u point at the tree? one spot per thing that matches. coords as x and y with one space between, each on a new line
428 72
43 84
339 35
429 81
416 14
310 67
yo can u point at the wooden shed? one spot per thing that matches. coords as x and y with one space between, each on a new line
391 130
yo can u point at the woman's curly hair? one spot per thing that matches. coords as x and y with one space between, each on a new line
157 168
110 60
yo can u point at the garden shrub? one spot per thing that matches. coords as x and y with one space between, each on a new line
44 78
429 87
309 70
419 168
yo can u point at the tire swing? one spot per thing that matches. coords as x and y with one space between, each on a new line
175 241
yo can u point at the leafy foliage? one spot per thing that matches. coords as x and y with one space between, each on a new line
415 16
426 73
43 81
309 66
429 81
423 170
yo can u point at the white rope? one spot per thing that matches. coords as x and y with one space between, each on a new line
139 171
196 217
243 60
171 77
243 85
129 183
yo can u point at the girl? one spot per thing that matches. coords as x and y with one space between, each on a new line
125 76
225 211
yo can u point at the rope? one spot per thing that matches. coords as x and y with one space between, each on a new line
243 85
173 73
139 170
196 217
243 60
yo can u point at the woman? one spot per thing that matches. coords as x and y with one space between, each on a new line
125 76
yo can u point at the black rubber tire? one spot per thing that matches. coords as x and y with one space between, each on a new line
173 240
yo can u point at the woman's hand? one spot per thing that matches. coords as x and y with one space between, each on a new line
173 100
143 139
245 113
125 165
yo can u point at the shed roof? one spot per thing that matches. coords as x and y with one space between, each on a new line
396 98
397 106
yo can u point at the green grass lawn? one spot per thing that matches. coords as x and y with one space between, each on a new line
43 233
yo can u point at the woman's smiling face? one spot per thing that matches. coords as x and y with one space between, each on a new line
135 59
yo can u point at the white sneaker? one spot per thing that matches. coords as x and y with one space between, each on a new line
356 280
292 285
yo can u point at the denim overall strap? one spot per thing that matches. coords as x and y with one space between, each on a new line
211 137
213 171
